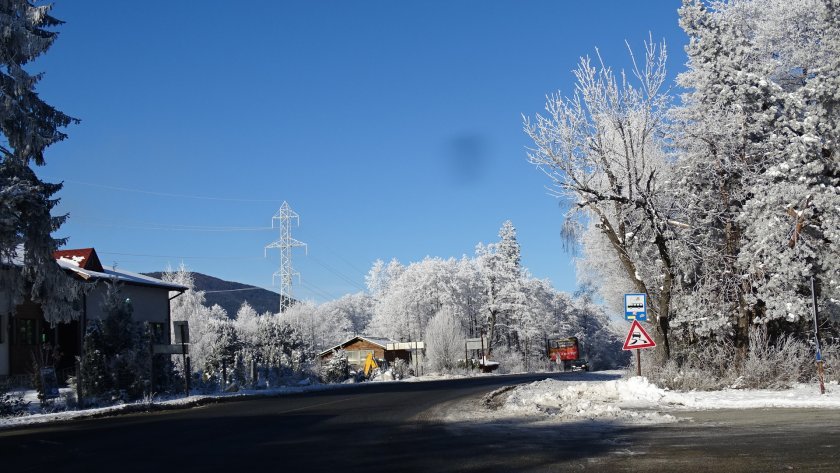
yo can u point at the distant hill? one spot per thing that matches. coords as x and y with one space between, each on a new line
235 294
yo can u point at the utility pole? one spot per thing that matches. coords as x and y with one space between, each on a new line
820 368
285 216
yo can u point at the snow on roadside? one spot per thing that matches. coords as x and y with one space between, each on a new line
635 400
625 400
156 404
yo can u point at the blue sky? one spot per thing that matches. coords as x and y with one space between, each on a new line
393 128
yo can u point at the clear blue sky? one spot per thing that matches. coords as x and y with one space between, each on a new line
393 128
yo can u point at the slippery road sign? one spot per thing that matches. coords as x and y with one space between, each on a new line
638 338
635 307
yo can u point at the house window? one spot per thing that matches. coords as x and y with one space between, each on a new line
26 332
357 357
158 330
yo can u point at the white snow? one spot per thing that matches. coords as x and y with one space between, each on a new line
633 400
146 405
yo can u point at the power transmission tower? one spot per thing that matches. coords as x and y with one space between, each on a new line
285 215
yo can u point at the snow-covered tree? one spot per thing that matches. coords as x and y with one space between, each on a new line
757 136
603 150
190 307
444 340
318 329
28 125
420 291
356 308
500 270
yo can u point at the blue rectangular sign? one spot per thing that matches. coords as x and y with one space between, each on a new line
635 307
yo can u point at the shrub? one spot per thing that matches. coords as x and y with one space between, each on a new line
12 403
714 365
400 369
336 369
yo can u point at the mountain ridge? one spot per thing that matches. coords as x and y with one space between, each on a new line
233 295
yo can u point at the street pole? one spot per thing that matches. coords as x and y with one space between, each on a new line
638 362
820 368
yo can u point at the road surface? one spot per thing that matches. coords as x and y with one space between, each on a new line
396 427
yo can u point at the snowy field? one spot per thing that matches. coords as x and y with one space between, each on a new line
632 400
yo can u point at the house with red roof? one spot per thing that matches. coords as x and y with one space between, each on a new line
24 333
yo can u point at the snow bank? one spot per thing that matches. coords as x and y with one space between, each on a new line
638 401
156 404
628 400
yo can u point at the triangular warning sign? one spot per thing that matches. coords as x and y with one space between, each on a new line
638 338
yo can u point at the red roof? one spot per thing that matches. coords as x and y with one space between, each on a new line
85 258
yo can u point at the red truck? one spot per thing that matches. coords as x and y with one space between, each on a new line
566 353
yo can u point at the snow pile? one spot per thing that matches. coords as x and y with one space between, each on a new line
636 400
627 400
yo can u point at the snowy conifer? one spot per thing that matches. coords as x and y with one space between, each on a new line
28 125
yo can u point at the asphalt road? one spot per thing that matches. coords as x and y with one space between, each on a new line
394 427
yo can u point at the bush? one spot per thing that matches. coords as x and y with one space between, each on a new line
336 369
510 361
12 403
116 359
775 365
400 369
714 365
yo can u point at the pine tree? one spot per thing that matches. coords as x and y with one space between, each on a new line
758 163
29 125
116 356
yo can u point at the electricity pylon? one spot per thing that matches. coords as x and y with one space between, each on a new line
285 215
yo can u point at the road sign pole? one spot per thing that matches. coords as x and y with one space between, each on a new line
638 363
637 339
820 370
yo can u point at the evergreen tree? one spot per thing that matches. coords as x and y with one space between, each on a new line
116 356
28 125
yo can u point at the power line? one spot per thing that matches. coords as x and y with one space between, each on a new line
162 194
235 290
337 273
323 293
339 256
174 227
178 256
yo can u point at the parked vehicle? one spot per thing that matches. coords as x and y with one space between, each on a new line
566 353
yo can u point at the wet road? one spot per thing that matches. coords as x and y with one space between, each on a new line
394 427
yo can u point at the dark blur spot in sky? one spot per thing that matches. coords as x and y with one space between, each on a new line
467 158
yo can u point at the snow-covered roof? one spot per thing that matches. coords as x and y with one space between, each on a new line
85 264
111 273
380 341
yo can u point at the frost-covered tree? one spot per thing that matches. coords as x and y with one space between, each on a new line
381 275
757 136
500 269
356 308
317 328
28 125
190 307
444 340
223 346
412 298
603 149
